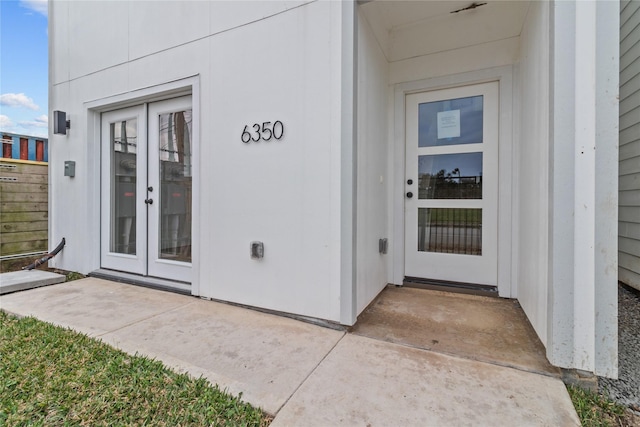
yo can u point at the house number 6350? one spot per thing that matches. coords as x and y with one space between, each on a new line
264 132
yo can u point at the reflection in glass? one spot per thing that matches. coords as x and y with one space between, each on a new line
449 230
123 140
175 186
450 176
450 122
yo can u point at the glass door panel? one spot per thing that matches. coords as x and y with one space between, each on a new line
451 122
123 136
175 185
450 230
450 176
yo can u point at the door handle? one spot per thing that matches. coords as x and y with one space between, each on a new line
148 201
409 195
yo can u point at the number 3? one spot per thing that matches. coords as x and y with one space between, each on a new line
257 136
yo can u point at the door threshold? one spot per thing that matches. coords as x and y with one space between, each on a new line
144 281
447 286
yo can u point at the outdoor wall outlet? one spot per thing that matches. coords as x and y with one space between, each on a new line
257 250
382 246
70 168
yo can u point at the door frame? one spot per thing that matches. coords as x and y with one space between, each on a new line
507 180
93 110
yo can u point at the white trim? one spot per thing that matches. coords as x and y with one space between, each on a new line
504 75
188 85
348 163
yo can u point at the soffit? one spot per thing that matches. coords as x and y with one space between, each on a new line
407 29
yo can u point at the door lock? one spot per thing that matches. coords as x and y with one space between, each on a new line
148 201
149 189
409 195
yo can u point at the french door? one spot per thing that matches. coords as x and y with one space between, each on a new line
146 185
451 184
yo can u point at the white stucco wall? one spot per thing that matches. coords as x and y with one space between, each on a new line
532 166
255 62
372 168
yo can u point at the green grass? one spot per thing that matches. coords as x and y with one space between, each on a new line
72 275
54 376
594 409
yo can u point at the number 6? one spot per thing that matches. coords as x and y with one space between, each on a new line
246 136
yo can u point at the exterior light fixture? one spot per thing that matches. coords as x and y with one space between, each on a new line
60 123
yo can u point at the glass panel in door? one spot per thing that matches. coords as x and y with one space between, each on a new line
175 185
123 138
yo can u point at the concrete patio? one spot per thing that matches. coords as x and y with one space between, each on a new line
421 372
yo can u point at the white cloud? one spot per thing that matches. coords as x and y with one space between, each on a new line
39 122
39 6
17 100
5 122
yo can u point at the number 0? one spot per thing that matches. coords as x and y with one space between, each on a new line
278 133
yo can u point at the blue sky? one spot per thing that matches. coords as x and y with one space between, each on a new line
24 67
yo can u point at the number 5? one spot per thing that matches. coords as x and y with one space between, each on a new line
265 128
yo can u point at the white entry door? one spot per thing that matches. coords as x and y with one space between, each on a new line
451 187
147 189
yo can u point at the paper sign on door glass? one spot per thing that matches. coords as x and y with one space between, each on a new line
449 124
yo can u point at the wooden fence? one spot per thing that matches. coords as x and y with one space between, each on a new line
24 207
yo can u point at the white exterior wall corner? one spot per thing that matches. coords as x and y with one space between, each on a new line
606 187
346 116
531 197
582 308
372 178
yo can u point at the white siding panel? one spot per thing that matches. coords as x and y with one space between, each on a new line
630 198
629 182
629 246
627 9
629 230
630 134
628 41
629 277
630 118
628 151
629 214
628 100
629 262
630 71
629 55
629 154
630 24
629 88
630 166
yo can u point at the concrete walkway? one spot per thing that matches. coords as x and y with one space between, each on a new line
303 374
